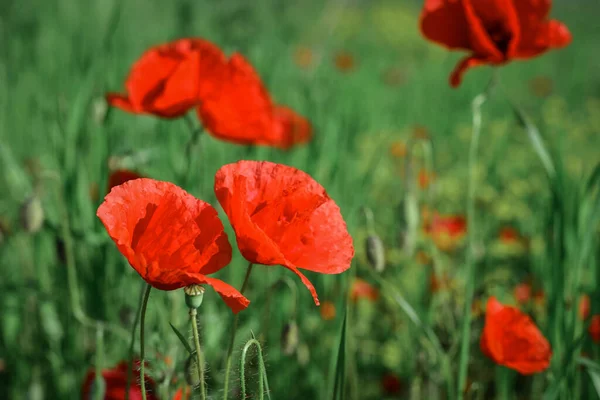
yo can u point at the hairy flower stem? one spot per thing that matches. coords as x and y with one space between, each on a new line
132 341
142 360
232 337
199 356
470 262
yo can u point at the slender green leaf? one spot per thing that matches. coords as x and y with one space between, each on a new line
182 339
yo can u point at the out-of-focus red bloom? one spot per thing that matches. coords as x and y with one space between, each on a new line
584 307
170 238
119 177
494 32
328 311
362 289
539 297
281 216
522 293
391 384
446 230
344 61
425 178
182 394
594 329
510 338
303 57
170 79
240 110
509 235
115 381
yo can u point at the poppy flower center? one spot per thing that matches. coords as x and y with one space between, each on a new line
500 36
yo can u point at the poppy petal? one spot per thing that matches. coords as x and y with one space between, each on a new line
462 67
545 36
444 22
234 299
306 282
291 127
120 101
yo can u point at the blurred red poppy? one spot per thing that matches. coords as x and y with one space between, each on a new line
508 235
522 293
281 216
170 79
119 177
594 329
115 381
344 61
240 110
425 178
362 289
391 384
328 311
584 307
510 338
446 231
169 237
182 394
495 32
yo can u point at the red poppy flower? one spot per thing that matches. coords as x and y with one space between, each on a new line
584 307
240 110
511 339
182 394
281 216
328 311
594 329
362 289
170 79
344 61
119 177
169 237
522 293
495 31
115 381
391 384
446 230
508 235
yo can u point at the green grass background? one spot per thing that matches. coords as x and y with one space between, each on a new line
59 57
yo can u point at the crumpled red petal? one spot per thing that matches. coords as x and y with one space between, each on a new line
281 216
465 64
444 22
169 237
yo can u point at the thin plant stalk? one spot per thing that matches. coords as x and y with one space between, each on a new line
471 226
99 389
503 383
132 342
195 134
142 360
199 355
232 337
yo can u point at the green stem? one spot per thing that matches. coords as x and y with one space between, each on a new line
99 388
195 133
199 355
470 262
503 382
142 360
132 341
232 337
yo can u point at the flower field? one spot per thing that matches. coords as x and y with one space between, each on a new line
300 200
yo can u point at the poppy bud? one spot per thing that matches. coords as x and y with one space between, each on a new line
193 296
375 252
289 338
303 354
191 371
32 214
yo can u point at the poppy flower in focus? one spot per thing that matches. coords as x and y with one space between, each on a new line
115 381
510 338
391 384
328 311
522 293
281 216
119 177
240 110
169 237
494 32
584 307
344 61
594 329
362 289
170 79
446 231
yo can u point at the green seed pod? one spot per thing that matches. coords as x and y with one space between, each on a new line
289 338
375 252
303 354
193 296
191 371
32 214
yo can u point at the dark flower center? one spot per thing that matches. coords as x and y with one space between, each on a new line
500 36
